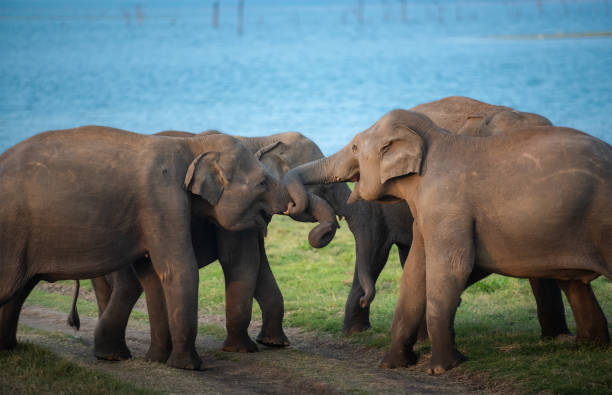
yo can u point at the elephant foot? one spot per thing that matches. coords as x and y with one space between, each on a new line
439 365
157 355
112 353
187 360
394 359
356 328
600 338
243 344
274 340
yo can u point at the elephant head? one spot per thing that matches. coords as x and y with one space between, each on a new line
279 156
239 191
393 147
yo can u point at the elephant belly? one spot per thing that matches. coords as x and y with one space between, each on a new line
61 253
566 256
541 227
563 266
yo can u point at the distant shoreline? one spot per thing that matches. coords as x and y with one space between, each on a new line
553 36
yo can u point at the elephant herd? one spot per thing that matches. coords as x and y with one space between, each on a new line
463 188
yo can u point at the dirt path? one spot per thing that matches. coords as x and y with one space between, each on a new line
315 363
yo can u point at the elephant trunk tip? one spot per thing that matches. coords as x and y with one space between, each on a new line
322 234
366 299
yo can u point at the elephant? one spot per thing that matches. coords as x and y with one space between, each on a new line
243 259
532 202
84 202
460 115
376 227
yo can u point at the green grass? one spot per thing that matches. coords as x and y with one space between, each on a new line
31 369
63 303
496 324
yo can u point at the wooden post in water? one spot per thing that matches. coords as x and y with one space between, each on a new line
240 15
139 14
215 21
564 7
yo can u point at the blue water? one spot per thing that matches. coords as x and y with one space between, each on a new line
328 69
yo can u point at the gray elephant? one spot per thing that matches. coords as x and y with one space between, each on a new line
376 227
243 259
84 202
393 225
530 202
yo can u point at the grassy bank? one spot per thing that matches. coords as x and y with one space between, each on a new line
496 324
31 369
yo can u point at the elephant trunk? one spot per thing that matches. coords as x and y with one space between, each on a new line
278 198
367 283
324 232
319 210
339 167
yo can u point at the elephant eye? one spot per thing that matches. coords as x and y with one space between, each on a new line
385 147
263 183
355 148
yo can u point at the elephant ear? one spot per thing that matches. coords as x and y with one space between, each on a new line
205 178
401 155
272 155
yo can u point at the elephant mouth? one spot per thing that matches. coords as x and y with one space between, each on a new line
354 178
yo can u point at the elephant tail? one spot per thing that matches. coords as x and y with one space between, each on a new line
73 317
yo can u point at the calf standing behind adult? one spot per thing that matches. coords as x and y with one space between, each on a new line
84 202
531 202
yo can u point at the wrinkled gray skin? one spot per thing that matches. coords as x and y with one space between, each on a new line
243 259
393 223
84 202
531 202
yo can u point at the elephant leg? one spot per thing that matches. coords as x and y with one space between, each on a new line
410 309
271 302
475 276
403 252
371 259
450 259
422 334
109 335
173 259
551 313
239 256
103 290
161 343
591 323
9 315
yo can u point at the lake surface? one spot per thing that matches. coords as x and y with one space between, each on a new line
328 69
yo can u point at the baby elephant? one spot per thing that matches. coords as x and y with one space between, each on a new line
529 202
84 202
